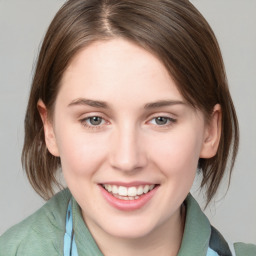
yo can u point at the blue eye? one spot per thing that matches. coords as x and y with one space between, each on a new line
162 121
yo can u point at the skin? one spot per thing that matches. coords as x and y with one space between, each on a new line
128 145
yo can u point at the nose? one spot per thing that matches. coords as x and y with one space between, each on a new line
127 152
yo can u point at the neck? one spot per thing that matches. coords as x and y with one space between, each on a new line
165 240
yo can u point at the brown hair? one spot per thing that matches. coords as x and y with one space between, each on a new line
174 31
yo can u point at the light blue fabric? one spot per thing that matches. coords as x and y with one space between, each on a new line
211 252
70 248
74 248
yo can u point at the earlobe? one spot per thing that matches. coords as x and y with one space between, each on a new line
212 134
49 134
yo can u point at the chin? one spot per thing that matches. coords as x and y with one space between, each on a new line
134 228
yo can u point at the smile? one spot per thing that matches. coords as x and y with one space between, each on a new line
128 198
128 193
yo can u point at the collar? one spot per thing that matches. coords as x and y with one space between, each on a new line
195 240
197 230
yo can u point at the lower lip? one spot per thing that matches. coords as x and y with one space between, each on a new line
128 205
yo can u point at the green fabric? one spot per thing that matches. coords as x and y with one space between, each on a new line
196 226
245 249
86 245
42 233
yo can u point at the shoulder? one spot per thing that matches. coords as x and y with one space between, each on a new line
41 233
245 249
212 237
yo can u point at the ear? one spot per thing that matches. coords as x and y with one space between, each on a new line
49 134
212 134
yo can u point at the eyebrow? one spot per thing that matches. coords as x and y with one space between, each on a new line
88 102
103 104
163 103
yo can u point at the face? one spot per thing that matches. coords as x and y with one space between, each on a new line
129 143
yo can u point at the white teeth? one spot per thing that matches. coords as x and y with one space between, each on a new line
108 188
126 198
132 191
128 193
146 189
140 190
122 191
114 189
151 187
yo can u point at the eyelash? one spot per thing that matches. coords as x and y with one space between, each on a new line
84 122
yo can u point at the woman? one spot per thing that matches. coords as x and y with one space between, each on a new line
129 99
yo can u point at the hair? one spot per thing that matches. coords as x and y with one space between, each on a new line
174 31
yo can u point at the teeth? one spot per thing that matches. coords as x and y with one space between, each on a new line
128 193
126 198
122 191
114 189
146 189
132 191
109 188
140 190
151 187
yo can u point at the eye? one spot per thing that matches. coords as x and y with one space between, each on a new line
93 121
162 121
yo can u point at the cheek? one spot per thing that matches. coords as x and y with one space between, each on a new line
80 153
177 153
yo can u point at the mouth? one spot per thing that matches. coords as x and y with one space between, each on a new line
129 193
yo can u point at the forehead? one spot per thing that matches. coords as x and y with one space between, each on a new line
105 69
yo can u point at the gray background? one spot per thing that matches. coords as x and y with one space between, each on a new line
22 26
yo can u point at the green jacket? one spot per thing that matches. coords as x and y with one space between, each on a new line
42 233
